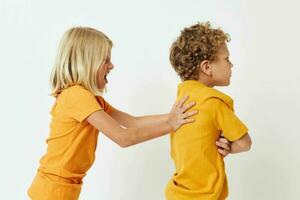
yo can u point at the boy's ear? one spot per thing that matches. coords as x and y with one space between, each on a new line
205 67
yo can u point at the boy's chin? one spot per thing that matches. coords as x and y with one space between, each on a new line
224 84
227 84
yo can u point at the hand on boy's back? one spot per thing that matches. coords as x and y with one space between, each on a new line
180 115
223 146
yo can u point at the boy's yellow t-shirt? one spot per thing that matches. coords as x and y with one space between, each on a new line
200 171
71 145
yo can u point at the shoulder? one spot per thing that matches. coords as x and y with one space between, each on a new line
218 98
77 91
76 88
75 95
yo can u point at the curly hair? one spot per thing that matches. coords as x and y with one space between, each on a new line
195 44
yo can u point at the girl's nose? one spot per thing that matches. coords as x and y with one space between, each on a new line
111 66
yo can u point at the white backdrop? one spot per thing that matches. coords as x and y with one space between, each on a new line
265 86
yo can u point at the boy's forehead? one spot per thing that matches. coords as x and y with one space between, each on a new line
223 50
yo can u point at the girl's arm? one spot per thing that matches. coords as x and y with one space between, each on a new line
130 121
123 118
154 126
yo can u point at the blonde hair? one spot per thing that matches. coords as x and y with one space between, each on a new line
82 52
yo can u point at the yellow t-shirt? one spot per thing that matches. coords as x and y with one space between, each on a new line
71 145
200 171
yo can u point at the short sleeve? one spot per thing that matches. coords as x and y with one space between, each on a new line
229 124
81 103
104 104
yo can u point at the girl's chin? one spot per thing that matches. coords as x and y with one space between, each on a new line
102 86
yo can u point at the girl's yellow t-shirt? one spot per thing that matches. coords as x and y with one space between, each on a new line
200 171
71 145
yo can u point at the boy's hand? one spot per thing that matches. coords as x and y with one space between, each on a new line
224 146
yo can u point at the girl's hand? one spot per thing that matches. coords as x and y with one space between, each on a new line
224 146
178 115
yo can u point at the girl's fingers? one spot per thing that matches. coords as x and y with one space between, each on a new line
188 114
182 101
189 120
188 106
175 105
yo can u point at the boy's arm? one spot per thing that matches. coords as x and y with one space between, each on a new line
226 147
232 128
242 144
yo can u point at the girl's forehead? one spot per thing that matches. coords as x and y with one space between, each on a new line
108 54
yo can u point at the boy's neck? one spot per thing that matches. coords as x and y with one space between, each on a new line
206 81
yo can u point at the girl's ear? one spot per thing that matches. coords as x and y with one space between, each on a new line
205 67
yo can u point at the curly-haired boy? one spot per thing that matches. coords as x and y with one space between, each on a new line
201 58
